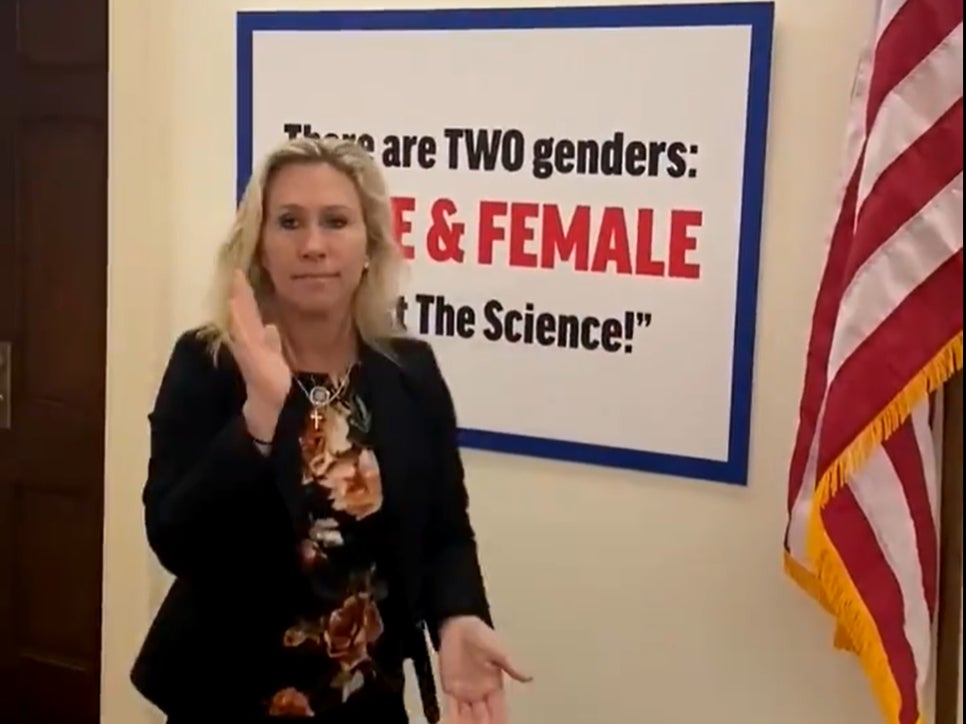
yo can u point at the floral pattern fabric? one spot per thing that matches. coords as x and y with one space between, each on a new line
332 643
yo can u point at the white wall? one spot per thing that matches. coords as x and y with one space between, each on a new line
630 597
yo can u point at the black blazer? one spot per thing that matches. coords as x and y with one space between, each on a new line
221 518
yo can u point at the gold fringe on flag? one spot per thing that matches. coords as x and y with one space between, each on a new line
828 581
930 378
807 581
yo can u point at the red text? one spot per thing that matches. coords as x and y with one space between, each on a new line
611 240
402 207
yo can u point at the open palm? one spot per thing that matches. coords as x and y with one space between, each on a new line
257 347
472 663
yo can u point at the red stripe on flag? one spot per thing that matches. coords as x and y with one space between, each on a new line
918 27
820 341
909 462
880 366
853 538
910 182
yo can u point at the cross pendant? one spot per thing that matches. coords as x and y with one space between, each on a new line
316 418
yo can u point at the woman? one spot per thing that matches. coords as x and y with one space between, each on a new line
305 486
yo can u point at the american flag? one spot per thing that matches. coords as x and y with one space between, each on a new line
887 332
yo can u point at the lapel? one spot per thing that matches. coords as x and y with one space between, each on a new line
396 442
384 390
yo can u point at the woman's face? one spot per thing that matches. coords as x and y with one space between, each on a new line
313 238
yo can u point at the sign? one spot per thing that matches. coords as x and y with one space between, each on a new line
579 192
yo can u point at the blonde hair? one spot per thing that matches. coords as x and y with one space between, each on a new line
373 305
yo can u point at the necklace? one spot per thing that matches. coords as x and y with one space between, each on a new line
320 396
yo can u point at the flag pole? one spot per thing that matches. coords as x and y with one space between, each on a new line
950 555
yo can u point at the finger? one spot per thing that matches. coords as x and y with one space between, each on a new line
481 714
239 338
237 315
500 658
496 703
451 712
240 286
249 303
236 332
239 353
272 338
245 304
237 291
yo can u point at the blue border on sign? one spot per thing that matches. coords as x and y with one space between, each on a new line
758 16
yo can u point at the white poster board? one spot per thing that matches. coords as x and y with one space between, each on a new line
604 170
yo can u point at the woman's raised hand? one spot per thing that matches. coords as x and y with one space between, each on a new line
257 349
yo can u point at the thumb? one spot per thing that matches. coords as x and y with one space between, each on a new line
500 659
272 338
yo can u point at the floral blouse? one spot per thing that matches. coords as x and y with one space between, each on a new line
329 651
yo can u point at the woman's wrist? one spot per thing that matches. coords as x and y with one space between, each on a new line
450 621
261 419
264 448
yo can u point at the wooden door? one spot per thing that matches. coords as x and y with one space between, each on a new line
53 262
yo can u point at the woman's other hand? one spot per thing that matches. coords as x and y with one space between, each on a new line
472 662
257 349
